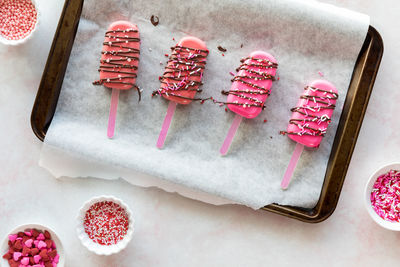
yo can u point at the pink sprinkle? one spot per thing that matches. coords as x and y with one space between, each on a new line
231 73
37 258
41 244
28 233
385 196
320 74
28 243
12 237
56 258
40 237
17 255
25 261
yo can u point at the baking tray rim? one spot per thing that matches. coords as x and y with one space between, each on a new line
319 213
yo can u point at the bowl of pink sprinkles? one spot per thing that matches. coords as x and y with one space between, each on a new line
18 20
105 225
382 196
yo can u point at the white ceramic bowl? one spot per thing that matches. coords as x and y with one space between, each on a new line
367 197
20 41
97 248
54 237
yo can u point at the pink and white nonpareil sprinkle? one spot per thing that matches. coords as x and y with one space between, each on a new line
385 196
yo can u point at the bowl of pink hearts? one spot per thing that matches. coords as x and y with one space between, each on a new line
32 245
105 225
18 20
382 196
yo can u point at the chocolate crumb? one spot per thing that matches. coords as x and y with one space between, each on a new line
241 46
222 49
154 20
270 137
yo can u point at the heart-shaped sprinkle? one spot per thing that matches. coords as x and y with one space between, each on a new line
47 234
43 254
25 251
36 258
12 238
52 254
56 258
49 243
35 232
28 243
25 261
18 245
40 237
17 255
28 233
41 245
7 256
34 251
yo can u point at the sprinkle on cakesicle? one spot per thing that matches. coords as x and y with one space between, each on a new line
250 88
119 64
310 120
182 78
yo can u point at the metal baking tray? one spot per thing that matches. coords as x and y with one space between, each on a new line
357 98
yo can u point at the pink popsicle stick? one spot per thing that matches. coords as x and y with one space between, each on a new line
292 165
113 112
166 124
231 133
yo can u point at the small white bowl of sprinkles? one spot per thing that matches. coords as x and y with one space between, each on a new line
18 21
105 225
382 196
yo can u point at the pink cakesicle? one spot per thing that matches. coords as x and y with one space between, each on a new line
310 120
182 78
119 64
249 90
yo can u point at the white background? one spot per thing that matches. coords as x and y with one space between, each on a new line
175 231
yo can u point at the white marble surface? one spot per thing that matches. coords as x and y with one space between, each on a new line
174 231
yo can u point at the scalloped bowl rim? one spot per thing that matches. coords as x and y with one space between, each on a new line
97 248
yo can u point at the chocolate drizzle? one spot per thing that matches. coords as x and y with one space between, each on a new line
313 104
154 20
184 63
222 49
123 66
248 79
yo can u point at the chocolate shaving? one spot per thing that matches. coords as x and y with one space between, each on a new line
241 46
220 48
154 20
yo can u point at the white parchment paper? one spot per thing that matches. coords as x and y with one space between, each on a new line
306 37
